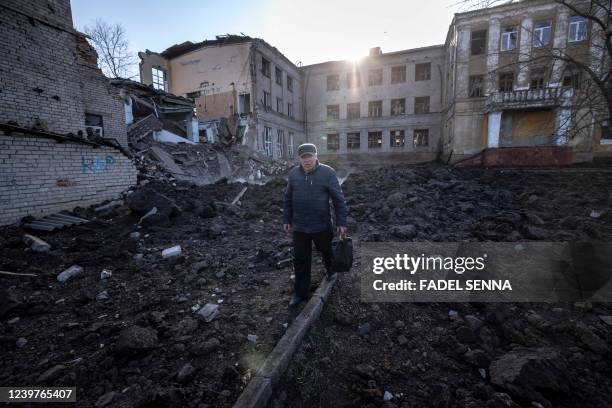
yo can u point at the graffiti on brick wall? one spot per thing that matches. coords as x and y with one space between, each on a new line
66 183
96 164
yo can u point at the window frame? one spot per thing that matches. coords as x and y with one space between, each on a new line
278 76
336 145
353 75
279 105
417 135
392 139
484 42
280 142
265 67
508 35
333 85
268 141
332 108
471 88
511 75
395 70
155 76
289 83
427 77
372 105
583 20
267 100
375 77
348 110
396 100
537 42
372 134
350 142
417 100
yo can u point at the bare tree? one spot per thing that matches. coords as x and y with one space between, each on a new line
111 44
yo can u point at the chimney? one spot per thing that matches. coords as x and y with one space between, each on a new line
375 51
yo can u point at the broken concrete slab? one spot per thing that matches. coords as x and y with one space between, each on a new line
36 244
172 251
69 273
208 312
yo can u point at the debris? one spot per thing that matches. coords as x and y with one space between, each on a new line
208 312
103 295
55 221
239 196
105 399
363 329
135 235
595 214
172 251
252 338
21 342
606 319
185 374
51 374
17 273
136 339
36 244
109 206
105 274
69 273
206 347
453 313
387 396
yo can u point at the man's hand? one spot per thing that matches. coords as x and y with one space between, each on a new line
341 230
287 228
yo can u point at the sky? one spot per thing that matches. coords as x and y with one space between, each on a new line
306 31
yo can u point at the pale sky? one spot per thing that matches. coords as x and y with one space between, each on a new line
307 31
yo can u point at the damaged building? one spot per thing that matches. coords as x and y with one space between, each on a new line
62 126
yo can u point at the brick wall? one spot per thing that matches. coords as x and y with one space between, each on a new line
40 176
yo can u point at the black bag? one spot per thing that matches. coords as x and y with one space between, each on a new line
342 249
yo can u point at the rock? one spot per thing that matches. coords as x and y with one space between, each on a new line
591 340
103 295
396 200
465 335
398 324
252 338
21 342
135 235
453 313
365 370
145 199
532 232
473 322
501 400
105 399
36 244
526 372
69 273
404 231
206 347
477 358
105 274
208 312
51 374
402 340
154 218
136 339
387 396
535 219
185 374
171 252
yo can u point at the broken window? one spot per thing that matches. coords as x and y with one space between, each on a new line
280 140
398 106
159 79
278 75
353 110
537 78
265 67
289 109
421 104
333 112
476 86
94 125
422 72
374 140
577 29
244 103
267 100
506 82
398 74
508 38
268 140
541 33
289 83
333 82
420 137
290 145
353 140
375 109
397 138
333 141
375 77
479 42
352 80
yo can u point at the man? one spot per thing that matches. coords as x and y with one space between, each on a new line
307 213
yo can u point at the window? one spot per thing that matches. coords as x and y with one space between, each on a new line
94 125
244 103
333 141
397 138
352 80
398 74
289 83
375 109
572 78
506 82
537 78
278 75
267 100
290 109
290 145
268 140
421 104
479 42
541 33
374 139
508 38
422 72
353 110
353 140
280 140
398 106
577 29
159 79
279 105
265 67
375 77
476 86
420 137
333 82
333 112
606 133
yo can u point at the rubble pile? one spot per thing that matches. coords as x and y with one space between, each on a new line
469 354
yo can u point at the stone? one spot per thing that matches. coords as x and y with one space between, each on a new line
185 374
208 312
387 396
453 313
473 322
21 342
36 244
363 329
135 235
532 232
105 274
402 340
398 324
136 339
51 374
252 338
206 347
69 273
465 335
105 399
171 252
103 295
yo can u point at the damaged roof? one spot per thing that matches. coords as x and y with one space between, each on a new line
187 46
141 89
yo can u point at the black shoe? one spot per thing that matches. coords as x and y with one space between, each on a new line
295 300
331 276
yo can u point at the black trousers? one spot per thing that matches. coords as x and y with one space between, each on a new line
302 256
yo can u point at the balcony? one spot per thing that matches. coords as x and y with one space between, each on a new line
528 98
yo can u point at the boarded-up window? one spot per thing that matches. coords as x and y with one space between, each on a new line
398 74
333 82
420 137
375 77
353 140
374 140
353 110
333 112
375 109
422 72
333 141
479 42
397 138
421 104
398 106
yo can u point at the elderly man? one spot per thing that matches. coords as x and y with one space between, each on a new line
307 213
